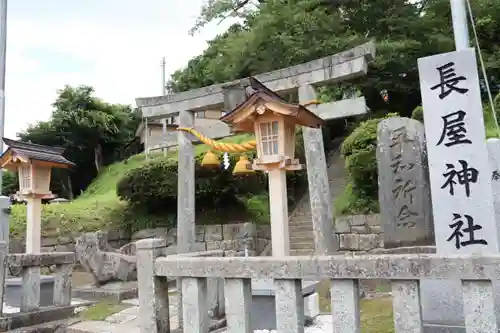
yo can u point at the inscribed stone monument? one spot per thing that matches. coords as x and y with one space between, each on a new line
404 193
493 146
460 176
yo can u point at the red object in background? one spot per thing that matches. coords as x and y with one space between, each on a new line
385 95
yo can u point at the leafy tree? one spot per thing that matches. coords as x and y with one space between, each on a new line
278 33
91 130
10 183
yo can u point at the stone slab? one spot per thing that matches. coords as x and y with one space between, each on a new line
113 291
349 266
13 291
51 327
37 317
130 326
341 109
265 287
102 327
263 308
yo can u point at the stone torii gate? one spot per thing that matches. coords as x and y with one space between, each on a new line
304 77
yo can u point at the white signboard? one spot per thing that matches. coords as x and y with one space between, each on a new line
460 173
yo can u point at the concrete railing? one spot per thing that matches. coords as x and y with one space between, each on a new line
345 271
27 266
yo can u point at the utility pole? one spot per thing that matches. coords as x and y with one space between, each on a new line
163 83
163 92
3 54
460 24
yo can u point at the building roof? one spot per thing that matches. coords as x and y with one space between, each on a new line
24 152
241 118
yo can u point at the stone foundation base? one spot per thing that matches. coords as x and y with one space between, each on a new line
113 291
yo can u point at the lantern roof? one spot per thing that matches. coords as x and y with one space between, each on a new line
242 117
25 152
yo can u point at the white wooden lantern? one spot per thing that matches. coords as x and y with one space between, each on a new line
34 164
275 135
34 179
273 120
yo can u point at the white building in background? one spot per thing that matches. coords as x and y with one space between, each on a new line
206 122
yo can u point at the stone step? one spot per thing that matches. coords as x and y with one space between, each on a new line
131 326
300 228
301 246
299 219
306 215
101 327
301 252
302 240
301 223
53 326
301 233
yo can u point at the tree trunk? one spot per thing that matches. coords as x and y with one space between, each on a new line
70 189
98 157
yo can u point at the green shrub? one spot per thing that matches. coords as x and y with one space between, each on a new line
359 152
418 114
152 188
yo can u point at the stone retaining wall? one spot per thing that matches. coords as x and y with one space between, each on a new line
354 232
231 237
359 232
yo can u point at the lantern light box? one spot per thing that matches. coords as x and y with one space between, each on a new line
273 121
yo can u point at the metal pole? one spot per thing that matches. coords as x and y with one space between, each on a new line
3 52
460 24
146 138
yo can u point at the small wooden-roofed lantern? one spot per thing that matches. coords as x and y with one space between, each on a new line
34 164
273 121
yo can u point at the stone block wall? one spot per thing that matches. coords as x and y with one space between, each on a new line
354 233
229 237
359 232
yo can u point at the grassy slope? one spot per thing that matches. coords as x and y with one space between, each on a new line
98 207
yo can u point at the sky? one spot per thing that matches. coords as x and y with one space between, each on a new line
115 46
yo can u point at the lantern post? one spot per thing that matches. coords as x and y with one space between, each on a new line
34 164
273 121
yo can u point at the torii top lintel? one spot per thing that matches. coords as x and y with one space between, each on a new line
241 118
342 66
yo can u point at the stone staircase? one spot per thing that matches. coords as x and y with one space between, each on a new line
300 221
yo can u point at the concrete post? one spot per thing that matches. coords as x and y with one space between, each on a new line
319 187
3 271
460 24
4 219
280 235
194 305
289 306
33 224
153 290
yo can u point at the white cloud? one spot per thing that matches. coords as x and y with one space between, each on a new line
115 46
